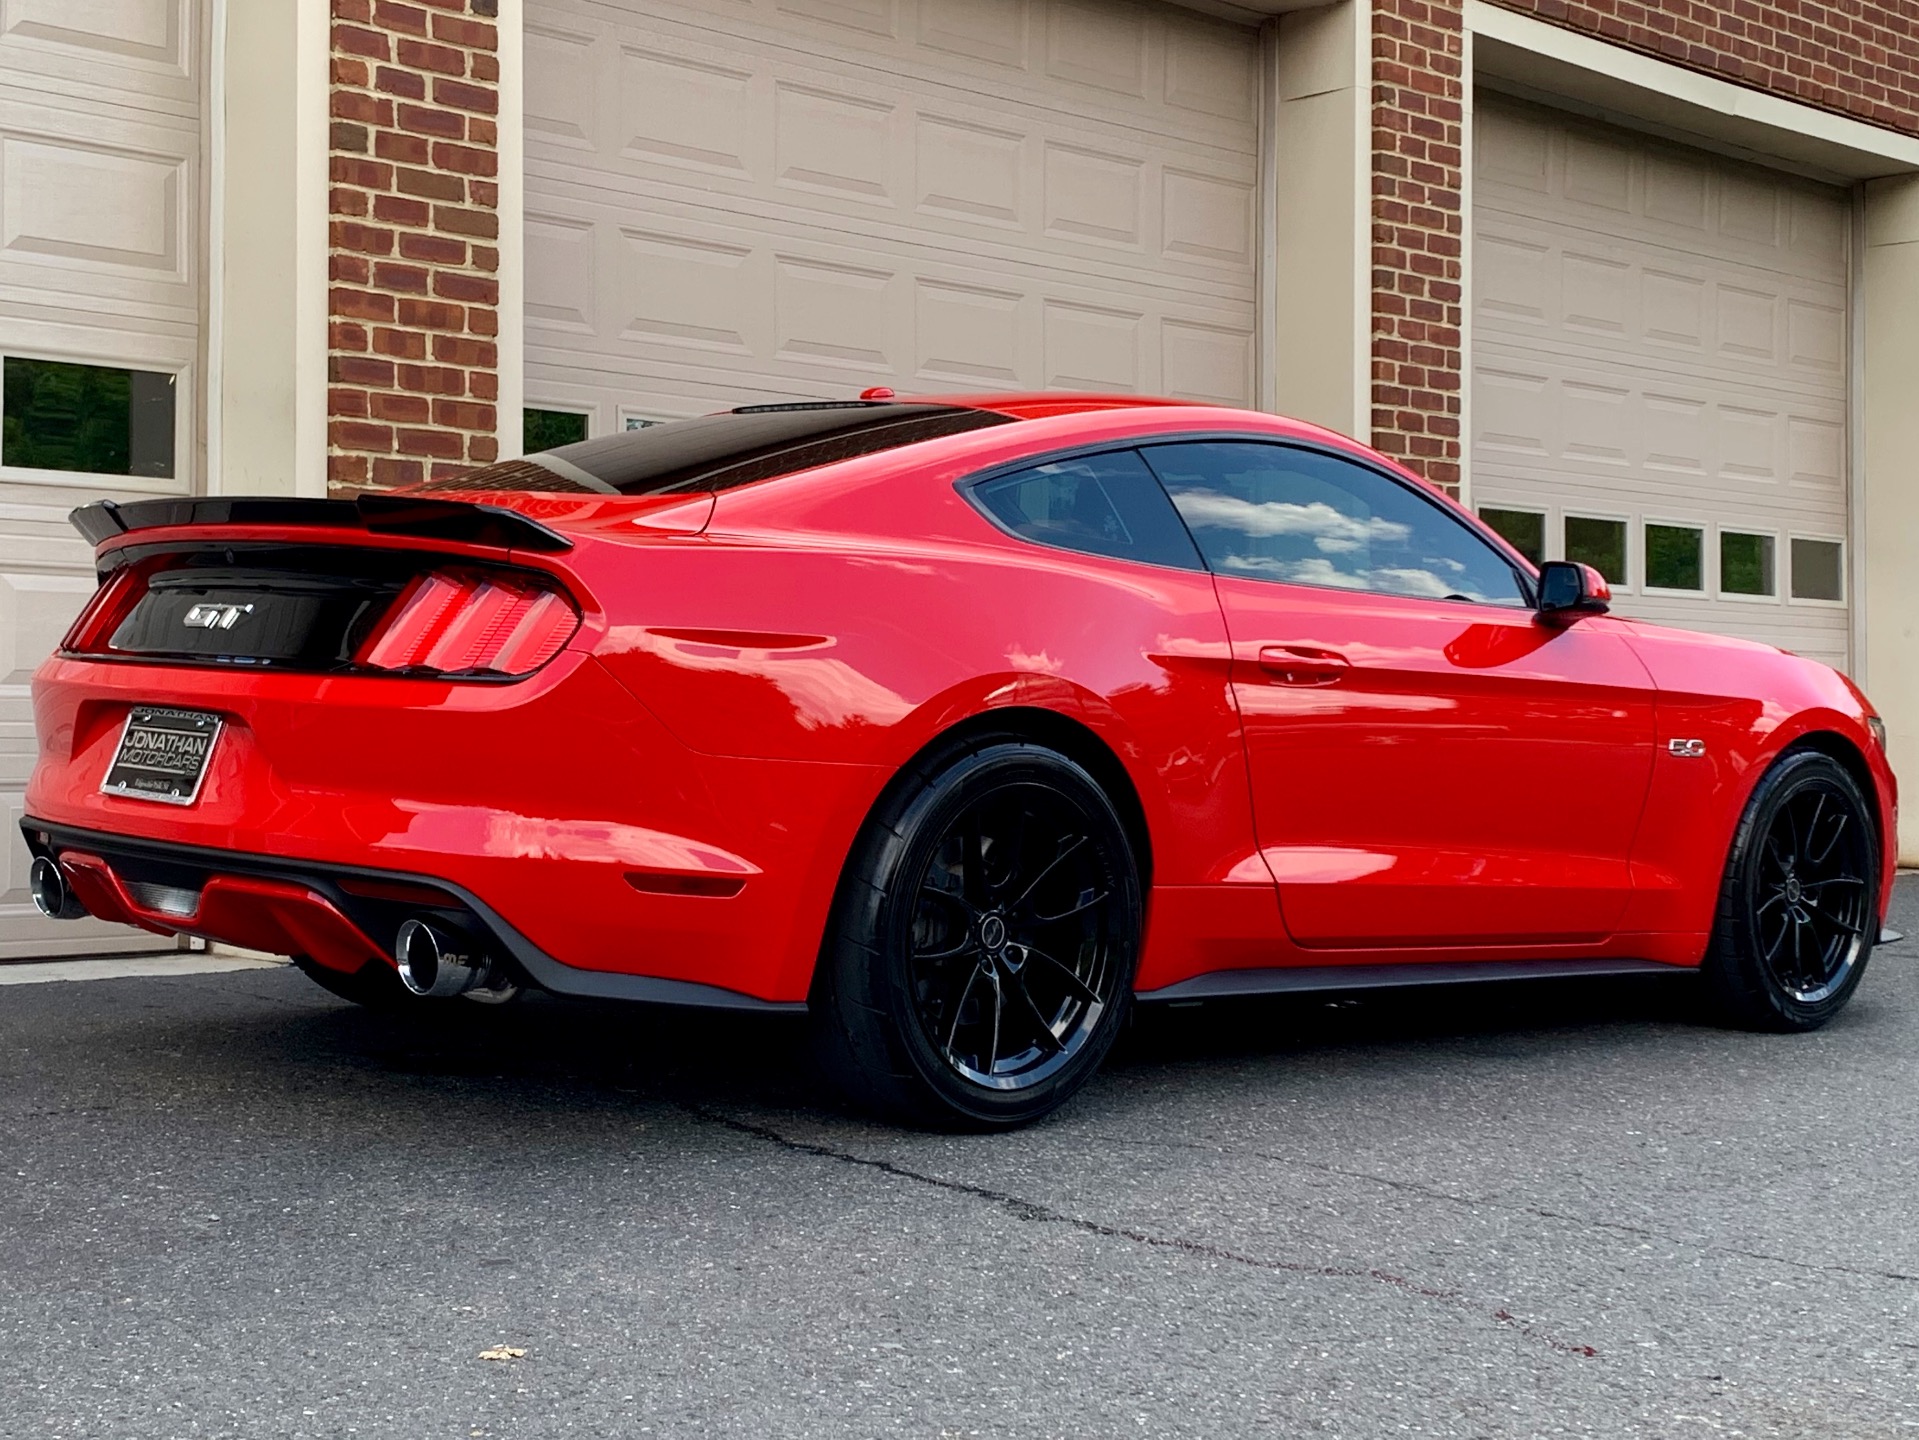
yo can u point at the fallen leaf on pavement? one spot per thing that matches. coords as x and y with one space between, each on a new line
502 1353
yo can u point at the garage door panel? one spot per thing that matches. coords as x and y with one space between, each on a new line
1660 338
763 202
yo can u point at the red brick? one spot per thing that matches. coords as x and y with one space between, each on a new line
359 11
394 16
348 71
430 315
443 124
407 279
360 370
483 321
466 159
482 223
406 149
401 210
362 109
459 350
403 83
367 239
359 435
484 193
434 249
346 135
347 402
344 335
352 40
469 289
429 184
432 379
400 344
402 409
486 258
474 34
462 96
483 449
367 174
346 472
486 67
347 269
391 473
436 444
440 59
482 132
359 304
483 385
463 415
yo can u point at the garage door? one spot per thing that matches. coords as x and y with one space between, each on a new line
1659 374
800 198
99 333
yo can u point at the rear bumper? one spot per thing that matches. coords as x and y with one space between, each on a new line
330 914
557 810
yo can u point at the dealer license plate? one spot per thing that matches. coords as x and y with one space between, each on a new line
163 755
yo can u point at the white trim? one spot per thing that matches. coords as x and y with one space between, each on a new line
312 85
1465 391
1693 104
1852 560
216 243
1266 266
511 342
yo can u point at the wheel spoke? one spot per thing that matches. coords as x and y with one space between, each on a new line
931 892
1079 909
1777 897
1846 925
1042 1030
959 1009
1834 880
1072 977
999 1005
1838 829
1051 866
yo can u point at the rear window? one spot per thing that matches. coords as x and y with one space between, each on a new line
719 452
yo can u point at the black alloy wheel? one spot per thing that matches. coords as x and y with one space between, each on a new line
984 944
1799 908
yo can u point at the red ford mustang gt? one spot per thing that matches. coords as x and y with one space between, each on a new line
959 723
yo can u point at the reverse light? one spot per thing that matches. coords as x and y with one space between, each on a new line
470 622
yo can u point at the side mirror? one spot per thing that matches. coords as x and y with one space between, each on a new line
1568 590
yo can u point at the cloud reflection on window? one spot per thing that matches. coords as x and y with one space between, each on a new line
1331 531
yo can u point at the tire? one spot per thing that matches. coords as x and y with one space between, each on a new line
980 959
1799 905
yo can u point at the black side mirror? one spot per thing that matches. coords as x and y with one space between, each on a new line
1568 590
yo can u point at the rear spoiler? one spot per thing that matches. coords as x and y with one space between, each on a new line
428 519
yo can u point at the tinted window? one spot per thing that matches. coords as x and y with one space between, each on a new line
1275 512
93 418
718 452
1102 504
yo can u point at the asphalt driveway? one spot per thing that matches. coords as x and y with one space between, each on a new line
231 1206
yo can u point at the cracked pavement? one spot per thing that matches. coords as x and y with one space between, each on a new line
232 1206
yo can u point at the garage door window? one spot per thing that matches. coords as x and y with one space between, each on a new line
550 429
1675 557
1598 543
1524 530
93 419
1818 569
1746 563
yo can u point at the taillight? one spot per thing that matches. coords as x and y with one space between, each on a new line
103 613
471 622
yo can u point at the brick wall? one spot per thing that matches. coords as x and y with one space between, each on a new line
1860 59
1418 234
414 257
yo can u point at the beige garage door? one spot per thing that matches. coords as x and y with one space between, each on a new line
100 292
1659 373
759 201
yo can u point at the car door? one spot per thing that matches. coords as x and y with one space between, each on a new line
1431 765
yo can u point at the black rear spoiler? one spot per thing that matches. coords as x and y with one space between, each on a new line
428 519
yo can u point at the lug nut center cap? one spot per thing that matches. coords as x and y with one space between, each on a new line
992 933
1794 890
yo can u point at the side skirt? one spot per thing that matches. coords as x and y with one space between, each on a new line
1290 979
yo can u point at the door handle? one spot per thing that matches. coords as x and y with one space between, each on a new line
1303 664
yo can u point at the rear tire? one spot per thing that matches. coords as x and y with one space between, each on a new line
980 959
1799 905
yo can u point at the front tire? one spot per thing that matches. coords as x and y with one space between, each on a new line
1799 905
981 956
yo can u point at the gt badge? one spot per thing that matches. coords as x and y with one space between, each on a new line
216 617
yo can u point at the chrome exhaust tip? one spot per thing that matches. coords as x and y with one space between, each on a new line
52 896
437 963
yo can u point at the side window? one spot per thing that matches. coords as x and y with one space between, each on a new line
1275 512
1101 504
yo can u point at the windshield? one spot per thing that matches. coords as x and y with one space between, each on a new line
719 452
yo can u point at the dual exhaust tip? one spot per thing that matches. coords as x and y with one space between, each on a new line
52 896
437 963
433 961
